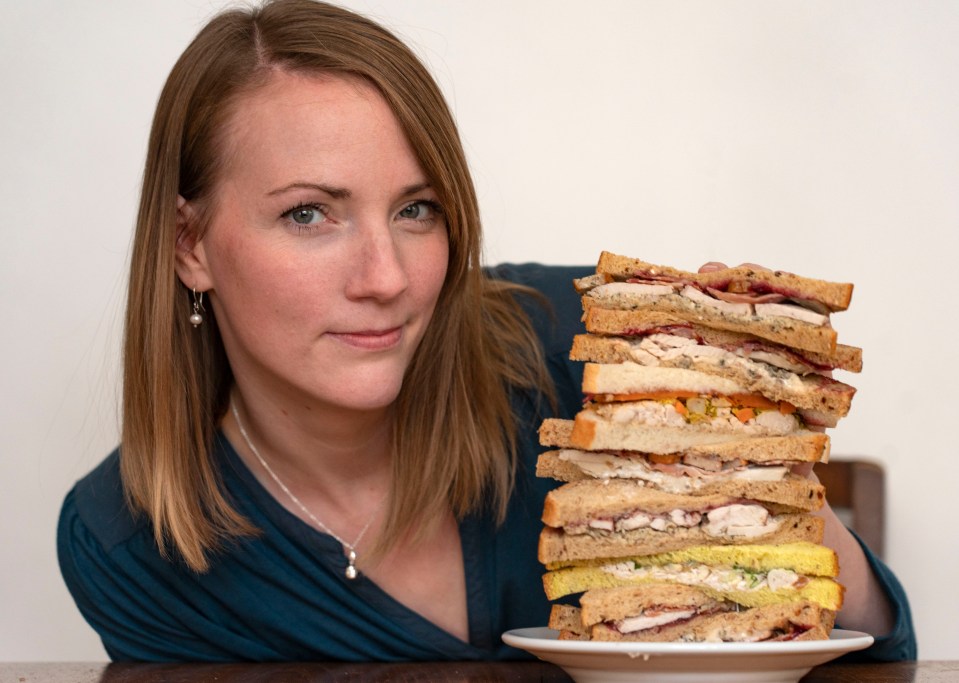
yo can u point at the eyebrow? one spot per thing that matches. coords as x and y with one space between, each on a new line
341 192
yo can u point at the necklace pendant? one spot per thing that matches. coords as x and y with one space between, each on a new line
351 572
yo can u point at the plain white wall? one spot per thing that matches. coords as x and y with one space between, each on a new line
812 136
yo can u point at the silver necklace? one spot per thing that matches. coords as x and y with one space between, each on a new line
349 548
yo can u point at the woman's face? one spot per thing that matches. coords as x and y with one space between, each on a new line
327 249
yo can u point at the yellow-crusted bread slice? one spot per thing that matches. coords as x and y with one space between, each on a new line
748 575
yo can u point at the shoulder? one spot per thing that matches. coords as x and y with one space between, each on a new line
97 502
555 313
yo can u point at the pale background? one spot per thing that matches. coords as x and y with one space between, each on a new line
815 136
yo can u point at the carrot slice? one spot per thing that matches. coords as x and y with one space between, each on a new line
744 414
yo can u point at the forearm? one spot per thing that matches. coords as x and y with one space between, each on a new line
865 606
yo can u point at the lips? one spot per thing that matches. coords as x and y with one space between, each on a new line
374 340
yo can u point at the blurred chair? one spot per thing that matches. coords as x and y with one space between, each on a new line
856 490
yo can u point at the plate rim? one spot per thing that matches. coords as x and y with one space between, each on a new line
840 641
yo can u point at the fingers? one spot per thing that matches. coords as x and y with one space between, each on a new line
713 266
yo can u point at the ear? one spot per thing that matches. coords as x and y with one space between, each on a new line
191 263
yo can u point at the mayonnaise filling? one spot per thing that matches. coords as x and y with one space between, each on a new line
704 576
693 298
680 478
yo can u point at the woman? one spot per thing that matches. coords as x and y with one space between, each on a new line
329 411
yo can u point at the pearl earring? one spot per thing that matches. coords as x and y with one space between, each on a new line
197 318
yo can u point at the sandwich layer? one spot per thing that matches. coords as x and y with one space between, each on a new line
744 280
804 447
676 309
661 426
635 324
736 584
767 483
770 623
557 546
615 360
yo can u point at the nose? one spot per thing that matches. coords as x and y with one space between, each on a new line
378 271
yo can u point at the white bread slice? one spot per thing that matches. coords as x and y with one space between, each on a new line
615 358
675 309
557 547
833 295
633 378
805 447
642 322
641 426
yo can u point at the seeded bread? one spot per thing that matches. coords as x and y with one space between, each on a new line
790 621
792 492
555 546
598 498
674 309
834 295
631 323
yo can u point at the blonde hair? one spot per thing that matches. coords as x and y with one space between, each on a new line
454 434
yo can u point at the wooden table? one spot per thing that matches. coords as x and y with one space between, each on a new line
458 672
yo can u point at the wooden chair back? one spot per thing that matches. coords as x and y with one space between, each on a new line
856 490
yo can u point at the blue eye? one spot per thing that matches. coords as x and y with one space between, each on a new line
420 211
307 214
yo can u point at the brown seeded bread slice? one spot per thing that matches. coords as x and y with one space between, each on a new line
790 621
624 324
566 619
834 295
557 547
674 309
614 361
614 604
598 498
805 447
793 492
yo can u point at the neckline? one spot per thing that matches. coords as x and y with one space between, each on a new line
331 554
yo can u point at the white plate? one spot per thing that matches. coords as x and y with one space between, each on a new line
600 662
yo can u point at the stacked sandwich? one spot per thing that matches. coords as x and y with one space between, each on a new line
683 516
